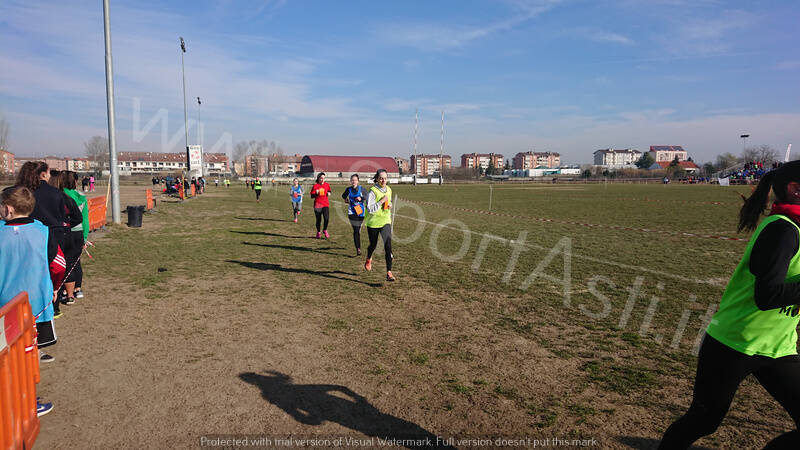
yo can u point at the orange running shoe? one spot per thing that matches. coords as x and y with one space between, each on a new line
368 264
389 276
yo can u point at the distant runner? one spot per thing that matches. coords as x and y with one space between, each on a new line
296 193
257 188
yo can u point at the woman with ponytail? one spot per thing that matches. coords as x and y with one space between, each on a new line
755 329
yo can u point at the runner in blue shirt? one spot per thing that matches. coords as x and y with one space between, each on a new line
297 198
354 196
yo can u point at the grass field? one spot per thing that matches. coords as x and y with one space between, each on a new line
568 311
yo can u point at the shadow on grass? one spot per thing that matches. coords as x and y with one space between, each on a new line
315 404
260 218
320 273
641 443
264 233
298 248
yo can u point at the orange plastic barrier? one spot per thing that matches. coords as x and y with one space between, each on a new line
193 191
182 192
97 213
19 373
150 203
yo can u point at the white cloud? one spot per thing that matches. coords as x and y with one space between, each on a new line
432 36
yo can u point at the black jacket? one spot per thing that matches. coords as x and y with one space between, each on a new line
50 207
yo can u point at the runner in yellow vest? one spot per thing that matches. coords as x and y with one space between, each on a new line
379 220
257 188
755 329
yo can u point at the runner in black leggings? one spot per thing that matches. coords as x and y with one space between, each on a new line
354 196
754 331
320 193
379 221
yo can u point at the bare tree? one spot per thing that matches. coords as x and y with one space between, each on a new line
763 153
726 161
97 151
240 150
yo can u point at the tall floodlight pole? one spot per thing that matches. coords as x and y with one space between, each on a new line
441 153
199 133
112 138
416 125
185 121
744 143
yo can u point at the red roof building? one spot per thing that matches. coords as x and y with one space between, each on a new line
344 166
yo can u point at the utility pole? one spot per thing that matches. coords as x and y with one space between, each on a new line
112 138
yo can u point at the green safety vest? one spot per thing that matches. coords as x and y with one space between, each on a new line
258 185
382 216
739 323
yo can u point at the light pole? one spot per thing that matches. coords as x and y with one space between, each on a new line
744 143
185 125
416 125
112 138
199 133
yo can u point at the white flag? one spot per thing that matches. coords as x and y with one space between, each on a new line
724 181
788 152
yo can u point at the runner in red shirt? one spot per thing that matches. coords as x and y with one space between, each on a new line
320 193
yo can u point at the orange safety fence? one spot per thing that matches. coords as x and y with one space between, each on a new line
150 203
19 373
97 213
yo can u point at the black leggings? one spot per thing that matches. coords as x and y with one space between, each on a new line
356 222
720 370
320 213
386 234
258 193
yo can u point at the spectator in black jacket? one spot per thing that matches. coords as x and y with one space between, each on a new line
51 208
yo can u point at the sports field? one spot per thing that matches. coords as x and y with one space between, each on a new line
565 311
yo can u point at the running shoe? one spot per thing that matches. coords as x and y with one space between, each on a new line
70 301
318 235
327 236
368 264
57 314
295 220
45 358
78 293
358 252
43 408
389 276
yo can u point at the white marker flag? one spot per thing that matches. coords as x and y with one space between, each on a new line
788 153
724 181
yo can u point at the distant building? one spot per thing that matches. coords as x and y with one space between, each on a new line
482 160
344 166
688 166
668 153
402 164
255 165
6 162
238 167
284 165
78 164
158 162
609 157
427 165
532 160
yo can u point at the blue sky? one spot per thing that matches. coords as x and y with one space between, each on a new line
345 77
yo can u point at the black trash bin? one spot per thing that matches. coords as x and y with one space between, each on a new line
135 216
